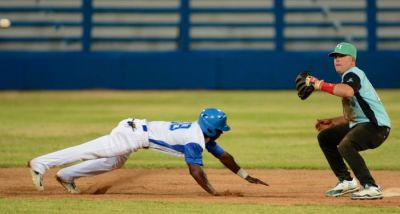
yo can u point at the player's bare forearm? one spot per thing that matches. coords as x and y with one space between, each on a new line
343 90
340 89
201 178
230 163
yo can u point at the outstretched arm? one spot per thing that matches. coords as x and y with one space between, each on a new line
230 163
345 90
201 178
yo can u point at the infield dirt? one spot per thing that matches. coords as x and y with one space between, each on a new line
287 187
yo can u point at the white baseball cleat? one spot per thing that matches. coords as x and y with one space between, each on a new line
37 178
343 187
68 186
369 192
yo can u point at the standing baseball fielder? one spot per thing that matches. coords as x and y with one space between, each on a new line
110 152
365 125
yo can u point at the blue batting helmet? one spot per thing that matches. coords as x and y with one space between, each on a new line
211 120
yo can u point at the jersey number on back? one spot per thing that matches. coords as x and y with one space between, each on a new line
175 126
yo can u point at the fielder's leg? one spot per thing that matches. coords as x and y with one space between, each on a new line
328 140
362 137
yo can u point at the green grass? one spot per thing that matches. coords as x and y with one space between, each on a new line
125 206
270 129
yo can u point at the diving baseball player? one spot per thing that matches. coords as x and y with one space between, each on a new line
109 152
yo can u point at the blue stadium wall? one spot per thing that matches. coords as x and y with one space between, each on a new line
179 70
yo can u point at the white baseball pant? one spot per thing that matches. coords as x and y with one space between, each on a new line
100 155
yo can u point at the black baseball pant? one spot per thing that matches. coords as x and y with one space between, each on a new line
341 142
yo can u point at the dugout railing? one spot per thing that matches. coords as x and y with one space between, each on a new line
278 28
192 44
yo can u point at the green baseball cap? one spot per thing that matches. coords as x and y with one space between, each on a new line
345 49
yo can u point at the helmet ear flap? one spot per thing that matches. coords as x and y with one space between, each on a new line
205 126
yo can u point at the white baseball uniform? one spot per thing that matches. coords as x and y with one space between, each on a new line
111 151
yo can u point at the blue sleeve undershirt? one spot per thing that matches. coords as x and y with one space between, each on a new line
193 154
215 149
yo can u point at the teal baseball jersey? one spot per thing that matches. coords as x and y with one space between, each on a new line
365 105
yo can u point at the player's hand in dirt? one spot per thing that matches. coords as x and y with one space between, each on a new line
255 180
229 193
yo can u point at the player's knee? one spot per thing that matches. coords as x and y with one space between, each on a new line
117 165
118 162
346 148
64 175
323 139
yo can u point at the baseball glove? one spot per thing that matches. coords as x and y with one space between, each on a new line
303 91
